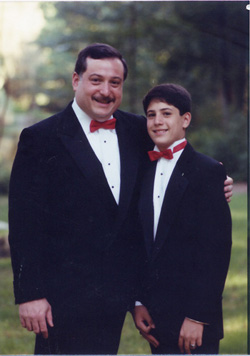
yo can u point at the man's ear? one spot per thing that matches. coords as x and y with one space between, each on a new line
186 119
75 80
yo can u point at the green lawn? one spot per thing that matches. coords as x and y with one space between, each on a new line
16 340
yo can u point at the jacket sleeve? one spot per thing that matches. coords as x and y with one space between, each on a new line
211 256
26 201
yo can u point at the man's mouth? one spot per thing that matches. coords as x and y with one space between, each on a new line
103 100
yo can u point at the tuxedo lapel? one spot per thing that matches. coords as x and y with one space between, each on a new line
172 199
146 208
76 143
129 158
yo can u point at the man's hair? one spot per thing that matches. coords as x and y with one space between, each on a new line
98 51
172 94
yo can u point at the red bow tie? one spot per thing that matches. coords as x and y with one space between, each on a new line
96 125
168 154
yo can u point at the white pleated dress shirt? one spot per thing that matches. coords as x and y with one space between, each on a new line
164 170
105 145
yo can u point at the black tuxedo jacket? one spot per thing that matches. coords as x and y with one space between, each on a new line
70 242
188 262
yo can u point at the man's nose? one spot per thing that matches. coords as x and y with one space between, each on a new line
105 89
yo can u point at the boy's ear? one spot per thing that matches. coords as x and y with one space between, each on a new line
187 119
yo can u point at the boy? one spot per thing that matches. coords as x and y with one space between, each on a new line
187 229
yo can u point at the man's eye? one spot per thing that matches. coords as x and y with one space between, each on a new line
115 83
95 80
150 116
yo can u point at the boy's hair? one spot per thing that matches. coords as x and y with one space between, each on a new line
172 94
98 51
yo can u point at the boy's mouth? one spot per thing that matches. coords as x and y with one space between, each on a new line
160 131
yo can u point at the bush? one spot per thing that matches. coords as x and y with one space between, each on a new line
4 179
228 146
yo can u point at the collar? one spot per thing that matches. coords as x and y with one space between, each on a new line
83 118
173 145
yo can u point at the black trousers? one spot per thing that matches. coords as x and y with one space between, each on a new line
83 336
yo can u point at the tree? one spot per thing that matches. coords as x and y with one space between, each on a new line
203 47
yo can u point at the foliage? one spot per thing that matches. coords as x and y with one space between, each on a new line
203 47
229 147
3 208
161 41
15 340
4 178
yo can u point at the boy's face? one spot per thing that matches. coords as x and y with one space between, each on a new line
165 124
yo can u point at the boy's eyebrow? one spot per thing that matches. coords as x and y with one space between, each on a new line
167 108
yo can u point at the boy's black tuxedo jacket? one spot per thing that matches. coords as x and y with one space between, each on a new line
70 242
188 262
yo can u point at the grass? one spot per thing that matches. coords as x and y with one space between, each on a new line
16 340
13 338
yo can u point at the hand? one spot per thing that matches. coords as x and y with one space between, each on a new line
228 188
144 324
190 334
35 315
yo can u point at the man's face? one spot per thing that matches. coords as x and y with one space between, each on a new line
165 124
98 90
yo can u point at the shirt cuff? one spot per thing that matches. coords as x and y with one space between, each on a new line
137 304
198 322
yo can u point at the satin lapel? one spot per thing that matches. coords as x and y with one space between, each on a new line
129 158
146 209
173 196
76 143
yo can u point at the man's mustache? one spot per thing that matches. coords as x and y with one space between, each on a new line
104 99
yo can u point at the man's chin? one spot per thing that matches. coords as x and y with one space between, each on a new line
102 117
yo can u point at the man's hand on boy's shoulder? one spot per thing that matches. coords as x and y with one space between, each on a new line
228 188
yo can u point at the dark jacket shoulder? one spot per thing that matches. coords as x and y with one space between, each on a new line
200 164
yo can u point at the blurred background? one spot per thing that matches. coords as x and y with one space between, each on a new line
201 45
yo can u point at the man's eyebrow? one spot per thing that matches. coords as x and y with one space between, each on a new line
98 75
101 76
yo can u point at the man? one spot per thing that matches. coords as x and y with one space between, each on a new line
74 237
187 230
74 240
